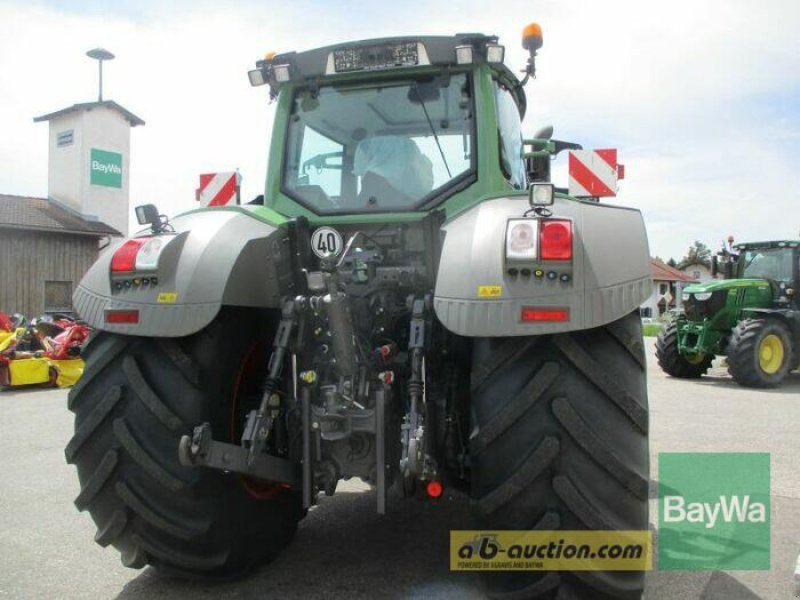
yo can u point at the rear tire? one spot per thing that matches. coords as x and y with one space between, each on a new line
560 443
136 398
747 350
672 362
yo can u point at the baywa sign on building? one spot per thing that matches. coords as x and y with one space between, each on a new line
105 168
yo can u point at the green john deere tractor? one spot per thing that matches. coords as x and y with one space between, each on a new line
411 303
752 317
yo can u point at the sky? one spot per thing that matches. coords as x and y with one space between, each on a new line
701 97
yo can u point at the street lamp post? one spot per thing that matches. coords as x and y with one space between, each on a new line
100 54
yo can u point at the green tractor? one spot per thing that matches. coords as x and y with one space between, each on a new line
752 317
411 303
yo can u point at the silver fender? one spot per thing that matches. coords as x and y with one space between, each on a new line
216 257
610 272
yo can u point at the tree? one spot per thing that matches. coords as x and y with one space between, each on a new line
672 262
698 253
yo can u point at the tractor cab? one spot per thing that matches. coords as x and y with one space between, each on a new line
392 125
776 262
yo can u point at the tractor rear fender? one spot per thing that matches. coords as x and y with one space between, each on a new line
789 316
215 257
608 277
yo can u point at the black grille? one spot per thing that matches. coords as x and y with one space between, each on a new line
697 310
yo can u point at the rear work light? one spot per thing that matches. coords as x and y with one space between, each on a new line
537 315
130 317
555 239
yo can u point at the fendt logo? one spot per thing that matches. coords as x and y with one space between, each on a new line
714 511
105 168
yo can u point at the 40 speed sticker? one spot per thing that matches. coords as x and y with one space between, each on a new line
326 241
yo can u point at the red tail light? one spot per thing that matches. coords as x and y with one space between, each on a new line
122 316
124 259
530 314
555 239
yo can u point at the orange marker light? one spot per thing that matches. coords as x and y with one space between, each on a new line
269 56
532 37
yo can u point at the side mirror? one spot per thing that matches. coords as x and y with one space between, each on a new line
147 214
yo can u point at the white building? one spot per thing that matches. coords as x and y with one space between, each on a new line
89 161
698 271
668 284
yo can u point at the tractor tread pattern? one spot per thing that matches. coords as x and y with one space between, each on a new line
533 466
516 408
98 479
134 558
97 416
180 359
137 452
187 530
180 558
580 506
150 399
598 449
107 354
603 380
112 528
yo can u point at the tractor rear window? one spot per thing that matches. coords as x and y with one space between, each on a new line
379 148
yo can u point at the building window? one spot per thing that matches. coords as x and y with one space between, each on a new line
64 138
663 289
696 274
57 296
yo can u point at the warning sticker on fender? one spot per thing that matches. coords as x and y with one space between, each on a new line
167 298
490 291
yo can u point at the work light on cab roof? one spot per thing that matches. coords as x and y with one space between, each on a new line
383 54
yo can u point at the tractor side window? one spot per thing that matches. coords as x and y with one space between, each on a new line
509 129
319 165
774 264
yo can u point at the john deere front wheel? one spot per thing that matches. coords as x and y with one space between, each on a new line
672 362
760 353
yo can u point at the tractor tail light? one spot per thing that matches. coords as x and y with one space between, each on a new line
124 258
537 315
130 317
555 238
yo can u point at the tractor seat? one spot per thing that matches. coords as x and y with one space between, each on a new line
393 171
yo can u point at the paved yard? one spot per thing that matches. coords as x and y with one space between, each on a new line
343 549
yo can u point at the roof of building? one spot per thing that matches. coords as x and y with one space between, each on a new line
40 214
132 118
663 272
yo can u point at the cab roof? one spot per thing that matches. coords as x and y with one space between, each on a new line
425 51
